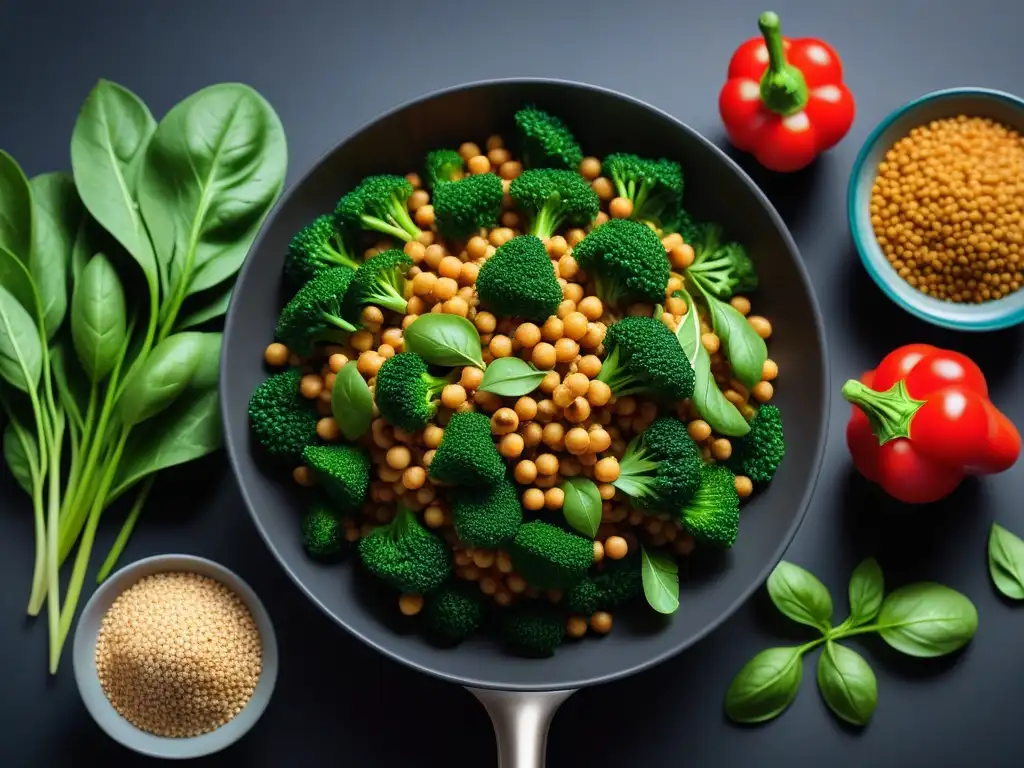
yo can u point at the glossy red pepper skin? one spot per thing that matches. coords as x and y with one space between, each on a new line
784 100
930 425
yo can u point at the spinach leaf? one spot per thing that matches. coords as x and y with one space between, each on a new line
707 398
16 214
208 306
660 575
21 349
801 596
110 137
927 619
847 683
582 505
59 215
351 402
213 169
15 277
1006 562
511 377
744 349
20 452
156 383
867 587
447 340
98 318
765 686
207 372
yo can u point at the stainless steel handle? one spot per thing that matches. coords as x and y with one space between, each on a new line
521 721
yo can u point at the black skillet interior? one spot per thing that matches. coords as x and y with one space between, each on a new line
712 587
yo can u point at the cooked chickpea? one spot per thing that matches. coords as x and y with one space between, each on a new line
552 329
590 168
500 346
276 355
591 308
497 156
543 356
526 408
398 457
761 325
511 446
434 518
410 605
311 385
485 322
556 247
468 150
577 440
562 396
566 350
721 449
554 498
414 477
528 335
302 476
699 430
620 208
546 411
444 289
590 366
450 266
525 472
763 391
576 626
603 187
578 383
568 268
769 370
575 236
607 470
361 340
573 292
598 393
565 308
600 440
615 547
456 306
453 395
711 342
625 406
681 256
478 164
510 169
549 382
744 486
369 363
578 410
533 499
418 199
500 235
428 457
601 622
547 464
554 436
574 325
432 435
327 429
504 421
488 401
424 216
741 304
415 306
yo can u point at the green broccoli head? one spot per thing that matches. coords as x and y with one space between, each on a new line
553 198
380 280
406 393
627 262
721 269
343 471
658 482
759 453
489 516
454 611
549 557
316 248
617 582
655 187
467 454
536 630
668 438
323 535
406 555
713 514
283 421
380 204
644 357
314 313
462 207
687 227
442 165
546 141
518 280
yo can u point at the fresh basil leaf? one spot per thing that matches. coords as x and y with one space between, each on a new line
212 171
16 213
156 383
511 377
1006 562
98 318
765 686
447 340
16 278
744 349
801 596
660 575
927 619
847 683
113 129
867 588
707 399
21 349
20 452
59 215
351 402
582 506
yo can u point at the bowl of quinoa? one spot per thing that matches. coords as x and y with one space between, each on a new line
936 208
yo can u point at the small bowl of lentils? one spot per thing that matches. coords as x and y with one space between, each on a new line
175 657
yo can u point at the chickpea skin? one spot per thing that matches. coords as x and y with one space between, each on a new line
311 385
620 208
528 335
566 350
511 446
770 370
276 355
533 499
591 308
543 356
577 441
453 395
607 470
590 168
504 421
525 472
761 325
554 498
615 547
721 449
590 366
578 410
763 391
699 430
526 408
601 622
410 605
414 477
547 464
576 627
500 346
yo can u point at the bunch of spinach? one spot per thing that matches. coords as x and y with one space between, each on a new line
104 272
924 619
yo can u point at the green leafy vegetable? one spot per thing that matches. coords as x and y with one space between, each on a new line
927 619
798 594
59 215
765 686
660 579
511 377
447 340
161 378
98 318
582 505
20 452
847 684
351 402
16 214
867 587
1006 562
745 350
21 351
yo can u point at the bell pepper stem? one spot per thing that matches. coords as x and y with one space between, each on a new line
889 413
783 87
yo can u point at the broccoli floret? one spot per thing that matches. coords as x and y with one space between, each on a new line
626 260
315 312
316 248
406 555
617 582
713 514
660 473
720 268
379 203
454 611
549 557
379 280
536 630
487 517
406 393
343 471
759 453
467 454
463 207
322 533
644 357
553 198
687 227
442 165
668 438
546 141
518 280
283 421
655 187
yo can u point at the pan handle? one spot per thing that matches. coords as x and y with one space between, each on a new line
521 720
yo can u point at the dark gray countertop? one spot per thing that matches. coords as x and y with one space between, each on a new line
328 69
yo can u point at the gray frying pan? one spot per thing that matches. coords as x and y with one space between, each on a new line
521 694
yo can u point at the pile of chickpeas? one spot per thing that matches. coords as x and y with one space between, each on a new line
570 426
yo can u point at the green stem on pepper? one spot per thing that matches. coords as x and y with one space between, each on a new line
783 87
889 413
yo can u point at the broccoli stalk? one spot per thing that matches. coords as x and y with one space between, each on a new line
463 207
713 514
644 357
282 420
379 203
759 453
546 141
661 467
721 269
380 280
406 555
655 187
626 260
316 247
552 198
343 471
315 312
518 280
442 165
323 535
406 393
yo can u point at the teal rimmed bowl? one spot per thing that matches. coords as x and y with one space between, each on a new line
974 102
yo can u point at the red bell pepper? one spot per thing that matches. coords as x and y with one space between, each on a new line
922 421
785 100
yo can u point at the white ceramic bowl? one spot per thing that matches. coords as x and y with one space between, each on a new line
116 726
